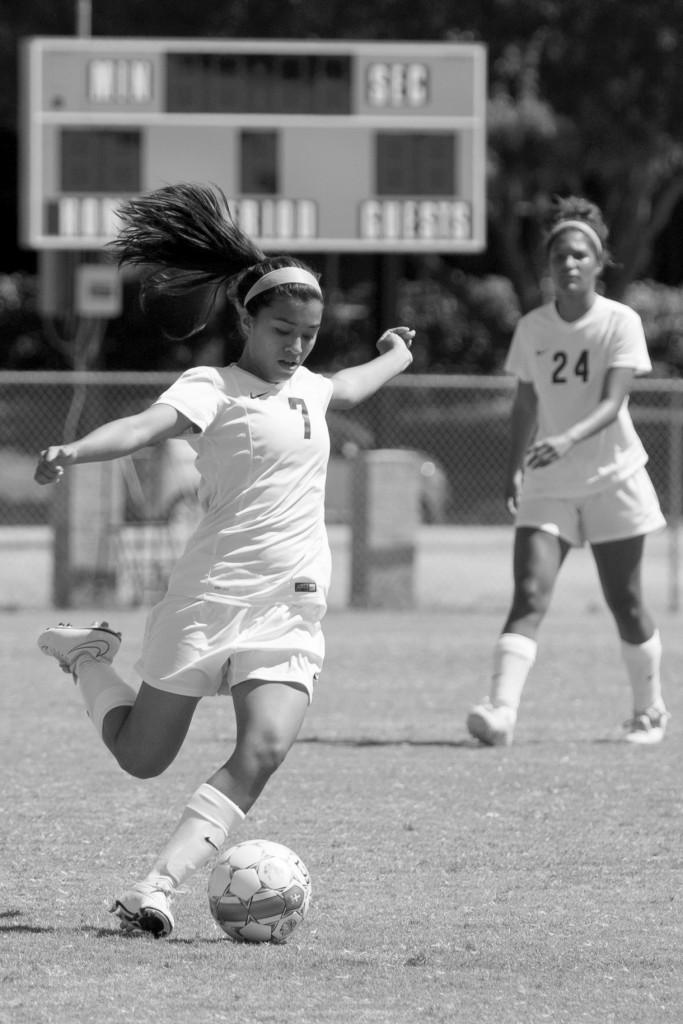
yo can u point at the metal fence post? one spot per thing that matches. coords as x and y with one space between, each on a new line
675 494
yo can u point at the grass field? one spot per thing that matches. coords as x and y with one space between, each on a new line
451 883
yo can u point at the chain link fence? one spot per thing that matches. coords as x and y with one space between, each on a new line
119 526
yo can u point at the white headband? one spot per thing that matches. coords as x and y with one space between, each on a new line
580 225
285 275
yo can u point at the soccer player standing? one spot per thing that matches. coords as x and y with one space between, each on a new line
576 473
242 613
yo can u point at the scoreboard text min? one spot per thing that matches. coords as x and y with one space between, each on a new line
349 146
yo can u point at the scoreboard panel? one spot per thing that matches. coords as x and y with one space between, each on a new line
349 146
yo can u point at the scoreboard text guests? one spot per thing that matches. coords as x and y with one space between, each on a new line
350 146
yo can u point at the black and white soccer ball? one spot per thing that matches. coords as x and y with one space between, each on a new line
259 891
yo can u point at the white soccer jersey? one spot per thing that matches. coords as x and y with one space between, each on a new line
567 364
262 454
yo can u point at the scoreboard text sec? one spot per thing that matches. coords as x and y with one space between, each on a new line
350 146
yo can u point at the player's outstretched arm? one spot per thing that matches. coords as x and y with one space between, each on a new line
356 383
112 440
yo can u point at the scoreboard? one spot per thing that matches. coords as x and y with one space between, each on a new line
318 146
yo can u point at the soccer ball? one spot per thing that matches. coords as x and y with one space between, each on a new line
259 891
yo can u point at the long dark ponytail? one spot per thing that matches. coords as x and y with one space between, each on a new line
185 238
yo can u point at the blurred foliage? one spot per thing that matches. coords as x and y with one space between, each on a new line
661 309
22 343
464 324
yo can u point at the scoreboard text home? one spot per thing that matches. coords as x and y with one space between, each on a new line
346 146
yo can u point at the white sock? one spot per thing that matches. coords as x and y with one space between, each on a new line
643 667
102 689
199 835
513 657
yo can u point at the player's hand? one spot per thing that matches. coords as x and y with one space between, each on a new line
395 337
513 491
51 463
547 450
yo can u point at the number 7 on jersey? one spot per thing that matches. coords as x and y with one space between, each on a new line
298 403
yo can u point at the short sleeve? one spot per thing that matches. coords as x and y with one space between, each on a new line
196 394
629 346
516 362
325 389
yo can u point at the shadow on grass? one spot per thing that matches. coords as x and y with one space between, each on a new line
109 933
468 743
19 927
340 741
119 936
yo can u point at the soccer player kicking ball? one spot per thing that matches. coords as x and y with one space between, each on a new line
242 614
576 473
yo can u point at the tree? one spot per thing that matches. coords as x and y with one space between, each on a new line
586 98
630 112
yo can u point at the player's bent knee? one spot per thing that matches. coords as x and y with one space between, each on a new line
142 766
531 598
269 759
626 608
267 756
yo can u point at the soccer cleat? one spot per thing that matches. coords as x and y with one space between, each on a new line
494 726
145 910
68 643
647 727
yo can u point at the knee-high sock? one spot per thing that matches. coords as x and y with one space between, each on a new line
199 835
643 663
513 657
102 689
